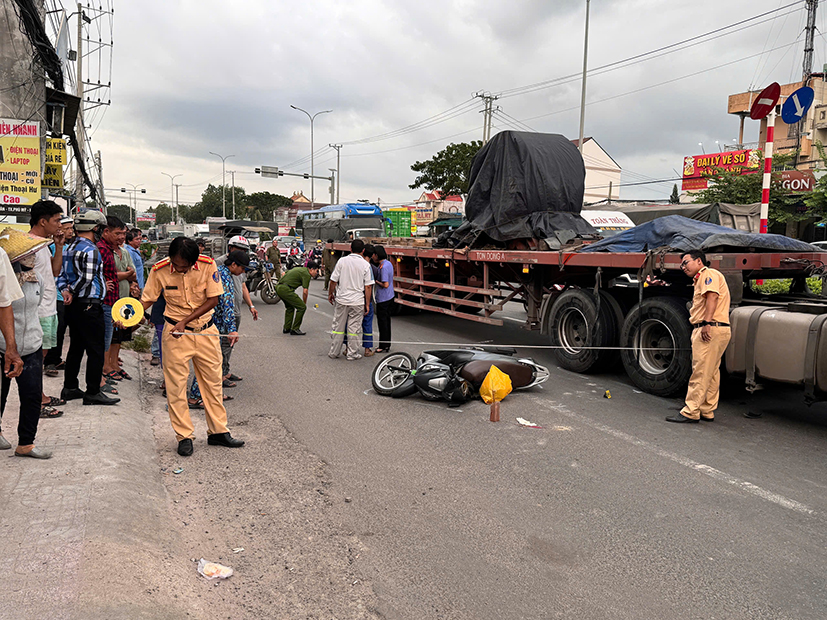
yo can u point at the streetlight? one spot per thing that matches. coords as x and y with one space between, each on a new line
312 160
701 144
134 198
172 192
223 183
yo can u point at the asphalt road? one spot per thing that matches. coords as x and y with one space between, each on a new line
606 512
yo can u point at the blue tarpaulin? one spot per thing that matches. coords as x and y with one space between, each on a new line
682 234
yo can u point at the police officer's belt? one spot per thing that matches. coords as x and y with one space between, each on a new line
710 323
195 330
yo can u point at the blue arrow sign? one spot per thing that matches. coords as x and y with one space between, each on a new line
797 104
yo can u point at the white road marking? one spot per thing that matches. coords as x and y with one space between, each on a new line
509 318
717 474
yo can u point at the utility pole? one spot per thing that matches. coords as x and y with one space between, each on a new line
232 176
177 214
101 197
488 112
79 132
583 92
338 148
809 38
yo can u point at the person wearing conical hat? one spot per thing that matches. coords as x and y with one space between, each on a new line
28 339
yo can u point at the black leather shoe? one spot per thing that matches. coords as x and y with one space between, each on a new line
224 439
285 331
681 419
185 447
99 399
297 332
707 419
74 394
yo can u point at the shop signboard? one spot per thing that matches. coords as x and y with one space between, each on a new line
696 168
19 165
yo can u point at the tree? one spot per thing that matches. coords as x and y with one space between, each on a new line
163 213
733 187
448 170
675 198
122 211
210 204
260 205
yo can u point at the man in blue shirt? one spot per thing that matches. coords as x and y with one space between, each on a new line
133 246
82 285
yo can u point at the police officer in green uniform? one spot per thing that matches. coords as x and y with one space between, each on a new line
295 307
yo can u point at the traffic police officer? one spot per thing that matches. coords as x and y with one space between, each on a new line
191 286
710 335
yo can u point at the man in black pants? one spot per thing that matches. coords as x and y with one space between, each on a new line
53 360
82 284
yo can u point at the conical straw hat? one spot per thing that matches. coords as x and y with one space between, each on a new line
18 244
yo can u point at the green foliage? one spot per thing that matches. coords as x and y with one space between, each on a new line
782 286
735 188
163 213
141 341
121 211
448 170
260 205
675 198
210 204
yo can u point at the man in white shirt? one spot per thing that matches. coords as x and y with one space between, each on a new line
10 291
350 294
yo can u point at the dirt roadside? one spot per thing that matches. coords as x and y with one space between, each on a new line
274 499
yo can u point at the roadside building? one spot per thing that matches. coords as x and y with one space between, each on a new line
602 172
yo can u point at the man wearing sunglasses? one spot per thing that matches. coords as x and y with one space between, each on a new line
709 317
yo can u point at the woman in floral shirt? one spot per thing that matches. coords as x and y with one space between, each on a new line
224 318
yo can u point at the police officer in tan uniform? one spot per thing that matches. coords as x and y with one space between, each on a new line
191 286
710 336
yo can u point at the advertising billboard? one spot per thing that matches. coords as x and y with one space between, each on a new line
19 165
696 168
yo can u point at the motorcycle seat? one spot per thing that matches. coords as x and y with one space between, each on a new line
476 370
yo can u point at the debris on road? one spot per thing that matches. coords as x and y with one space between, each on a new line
238 549
213 570
178 470
607 394
527 424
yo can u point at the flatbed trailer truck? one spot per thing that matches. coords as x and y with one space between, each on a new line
593 309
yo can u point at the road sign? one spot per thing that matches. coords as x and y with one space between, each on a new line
765 102
797 104
270 172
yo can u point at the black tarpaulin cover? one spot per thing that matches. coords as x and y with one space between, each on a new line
524 185
682 234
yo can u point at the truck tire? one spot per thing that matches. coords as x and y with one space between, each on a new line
659 322
576 326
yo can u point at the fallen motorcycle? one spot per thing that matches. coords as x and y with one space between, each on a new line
453 375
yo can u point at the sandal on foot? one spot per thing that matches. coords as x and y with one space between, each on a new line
114 375
229 384
124 374
233 377
198 404
51 371
228 397
108 389
49 412
54 401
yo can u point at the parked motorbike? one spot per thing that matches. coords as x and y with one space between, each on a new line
260 280
453 375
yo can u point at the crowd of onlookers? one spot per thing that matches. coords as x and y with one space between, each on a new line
65 273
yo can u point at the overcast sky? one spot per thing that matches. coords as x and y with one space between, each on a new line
193 76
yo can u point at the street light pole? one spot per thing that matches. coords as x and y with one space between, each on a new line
133 203
585 70
172 193
223 183
312 155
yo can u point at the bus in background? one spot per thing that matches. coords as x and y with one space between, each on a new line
340 223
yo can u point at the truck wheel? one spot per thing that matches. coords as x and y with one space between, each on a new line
268 294
658 323
576 327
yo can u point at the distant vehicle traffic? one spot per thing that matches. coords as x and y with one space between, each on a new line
337 221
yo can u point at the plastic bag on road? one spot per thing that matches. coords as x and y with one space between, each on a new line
213 570
496 386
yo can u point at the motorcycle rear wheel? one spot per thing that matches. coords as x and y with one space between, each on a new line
391 372
268 294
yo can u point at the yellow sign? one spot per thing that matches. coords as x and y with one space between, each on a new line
127 311
56 151
19 163
53 177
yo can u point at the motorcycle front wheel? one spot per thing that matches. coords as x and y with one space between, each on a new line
391 372
268 294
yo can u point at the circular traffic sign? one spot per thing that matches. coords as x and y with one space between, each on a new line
765 102
796 106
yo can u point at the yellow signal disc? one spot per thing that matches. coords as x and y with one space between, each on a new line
127 311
